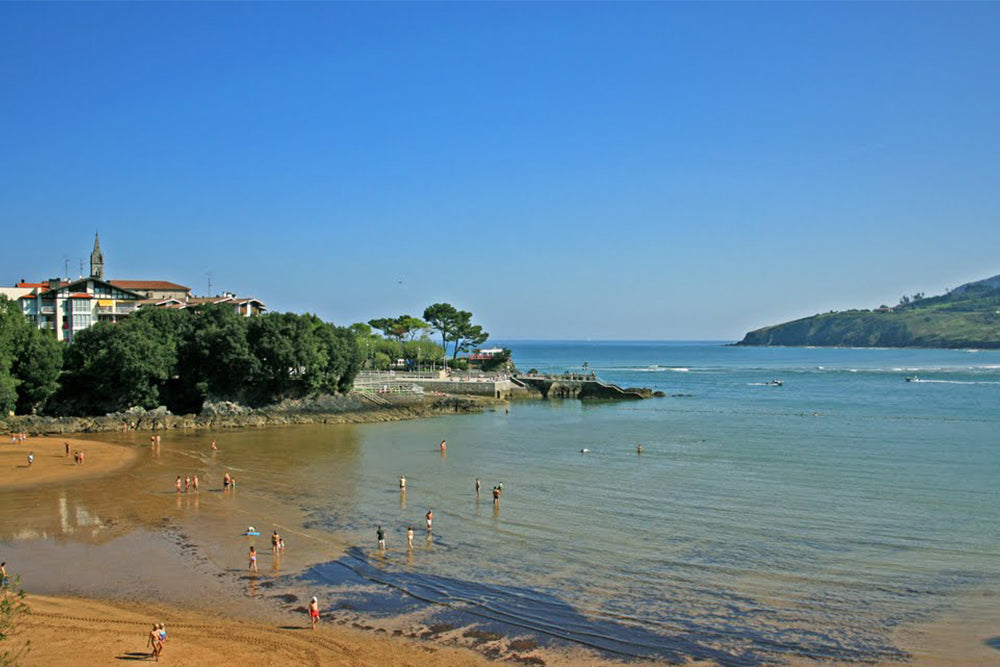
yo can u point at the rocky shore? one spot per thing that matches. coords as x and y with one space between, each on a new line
320 410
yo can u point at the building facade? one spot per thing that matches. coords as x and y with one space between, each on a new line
66 307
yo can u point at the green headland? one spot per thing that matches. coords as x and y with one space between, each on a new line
965 317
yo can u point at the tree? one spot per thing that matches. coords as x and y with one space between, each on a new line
12 607
37 368
442 318
399 328
12 324
467 335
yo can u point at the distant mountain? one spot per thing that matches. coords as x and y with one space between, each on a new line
966 317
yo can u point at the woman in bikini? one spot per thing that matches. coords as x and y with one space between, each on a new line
154 642
253 558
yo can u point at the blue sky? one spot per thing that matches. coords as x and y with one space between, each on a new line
562 170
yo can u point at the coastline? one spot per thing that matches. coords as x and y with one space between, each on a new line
327 410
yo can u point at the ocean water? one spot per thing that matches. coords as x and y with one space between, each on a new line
760 523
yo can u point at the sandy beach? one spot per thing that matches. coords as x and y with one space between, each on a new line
74 631
51 465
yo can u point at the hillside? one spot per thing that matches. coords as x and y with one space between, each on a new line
967 317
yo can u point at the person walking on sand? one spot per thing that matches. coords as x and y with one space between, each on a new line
253 559
409 537
3 574
31 458
380 534
67 449
154 643
314 611
163 632
430 518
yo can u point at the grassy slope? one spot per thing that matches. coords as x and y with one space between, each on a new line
970 319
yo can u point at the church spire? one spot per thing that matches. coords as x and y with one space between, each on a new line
97 260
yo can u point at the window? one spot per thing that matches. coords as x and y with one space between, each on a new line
81 322
81 305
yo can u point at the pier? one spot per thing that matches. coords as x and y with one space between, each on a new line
578 385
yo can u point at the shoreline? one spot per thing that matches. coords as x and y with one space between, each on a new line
333 410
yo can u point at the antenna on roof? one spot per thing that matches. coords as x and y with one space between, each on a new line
81 267
209 274
66 266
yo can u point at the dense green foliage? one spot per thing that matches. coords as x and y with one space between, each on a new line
181 358
30 362
12 608
969 318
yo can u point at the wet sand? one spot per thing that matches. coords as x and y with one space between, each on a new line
51 465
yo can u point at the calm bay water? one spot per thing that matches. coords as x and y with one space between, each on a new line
759 523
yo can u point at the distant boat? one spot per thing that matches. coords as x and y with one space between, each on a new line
775 383
911 379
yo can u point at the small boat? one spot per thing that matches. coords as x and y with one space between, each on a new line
911 379
775 383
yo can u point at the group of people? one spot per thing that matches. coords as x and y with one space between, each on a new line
16 438
77 455
189 482
228 482
157 638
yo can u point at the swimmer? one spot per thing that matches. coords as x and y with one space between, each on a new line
444 445
409 537
314 612
638 449
214 448
253 558
500 486
584 451
430 518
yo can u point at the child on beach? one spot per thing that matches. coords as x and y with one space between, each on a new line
281 545
253 559
67 449
314 612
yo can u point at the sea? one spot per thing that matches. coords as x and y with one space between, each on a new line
815 520
760 523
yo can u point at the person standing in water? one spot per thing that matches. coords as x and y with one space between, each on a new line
253 559
214 448
402 483
638 449
479 485
409 537
380 534
496 496
430 518
314 611
444 445
177 484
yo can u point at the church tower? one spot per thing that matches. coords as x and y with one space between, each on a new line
97 260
